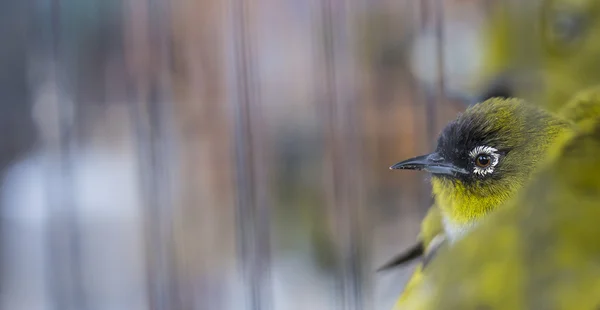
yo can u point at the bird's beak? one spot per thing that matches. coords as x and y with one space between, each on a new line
433 163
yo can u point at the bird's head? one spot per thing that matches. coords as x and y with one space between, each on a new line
484 156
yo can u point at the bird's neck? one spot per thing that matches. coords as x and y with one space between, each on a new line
461 210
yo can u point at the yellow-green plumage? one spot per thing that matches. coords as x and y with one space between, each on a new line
540 251
467 204
431 226
581 110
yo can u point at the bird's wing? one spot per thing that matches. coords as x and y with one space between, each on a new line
431 230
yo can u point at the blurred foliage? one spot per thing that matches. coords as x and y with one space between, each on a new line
543 50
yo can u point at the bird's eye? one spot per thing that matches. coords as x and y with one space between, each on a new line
483 160
486 158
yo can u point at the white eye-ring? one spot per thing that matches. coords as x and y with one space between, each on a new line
486 158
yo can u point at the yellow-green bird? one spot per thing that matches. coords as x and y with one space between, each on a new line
474 165
474 168
539 251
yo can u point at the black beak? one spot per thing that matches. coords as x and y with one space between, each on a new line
433 163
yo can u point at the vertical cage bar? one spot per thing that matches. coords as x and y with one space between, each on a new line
63 263
252 210
151 113
422 101
332 148
343 152
438 15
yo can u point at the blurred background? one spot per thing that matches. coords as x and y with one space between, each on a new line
209 154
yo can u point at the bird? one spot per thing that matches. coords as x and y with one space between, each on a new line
482 159
580 108
483 156
541 249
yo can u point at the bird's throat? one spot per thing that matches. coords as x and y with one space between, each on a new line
461 210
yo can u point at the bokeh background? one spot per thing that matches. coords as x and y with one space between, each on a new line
212 154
